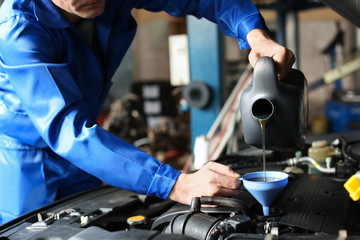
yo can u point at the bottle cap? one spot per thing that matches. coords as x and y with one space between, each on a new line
134 220
320 143
353 187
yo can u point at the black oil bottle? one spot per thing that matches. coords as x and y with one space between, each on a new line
283 102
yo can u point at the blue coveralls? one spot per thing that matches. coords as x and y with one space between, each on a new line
52 90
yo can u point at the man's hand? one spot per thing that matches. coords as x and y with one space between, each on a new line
262 45
212 179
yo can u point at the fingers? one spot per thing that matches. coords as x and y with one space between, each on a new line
284 60
262 45
253 57
224 176
222 169
213 179
227 182
223 187
225 192
216 190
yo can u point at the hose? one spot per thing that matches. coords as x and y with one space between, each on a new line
227 202
344 150
295 161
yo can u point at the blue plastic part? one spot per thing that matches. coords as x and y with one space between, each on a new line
343 116
265 192
205 64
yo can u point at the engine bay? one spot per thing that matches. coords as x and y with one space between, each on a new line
312 206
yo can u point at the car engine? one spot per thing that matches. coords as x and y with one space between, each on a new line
312 206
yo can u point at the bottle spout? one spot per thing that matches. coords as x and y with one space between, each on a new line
262 109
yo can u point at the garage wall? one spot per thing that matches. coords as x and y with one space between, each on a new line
148 57
317 28
315 37
151 48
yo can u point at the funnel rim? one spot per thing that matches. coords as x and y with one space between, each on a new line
270 174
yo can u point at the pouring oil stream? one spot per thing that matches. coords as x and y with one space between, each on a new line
262 120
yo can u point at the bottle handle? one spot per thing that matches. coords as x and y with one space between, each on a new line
265 75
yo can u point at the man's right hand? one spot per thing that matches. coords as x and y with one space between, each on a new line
213 179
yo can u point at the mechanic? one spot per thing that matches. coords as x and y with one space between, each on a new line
56 61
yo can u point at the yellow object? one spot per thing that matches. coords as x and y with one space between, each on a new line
319 126
136 220
353 186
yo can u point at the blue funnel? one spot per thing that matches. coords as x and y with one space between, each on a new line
265 192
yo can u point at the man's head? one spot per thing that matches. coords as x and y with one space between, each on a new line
77 9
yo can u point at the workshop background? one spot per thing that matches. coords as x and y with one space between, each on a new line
160 57
180 94
148 104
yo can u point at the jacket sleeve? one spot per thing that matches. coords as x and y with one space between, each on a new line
52 100
235 18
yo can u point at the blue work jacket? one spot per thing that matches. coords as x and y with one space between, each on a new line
52 90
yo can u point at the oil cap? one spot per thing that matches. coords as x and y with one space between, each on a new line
136 221
353 186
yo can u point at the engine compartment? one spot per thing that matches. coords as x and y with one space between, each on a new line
312 206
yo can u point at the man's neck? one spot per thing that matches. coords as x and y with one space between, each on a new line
71 17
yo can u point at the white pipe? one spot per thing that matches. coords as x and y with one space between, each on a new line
342 71
294 161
